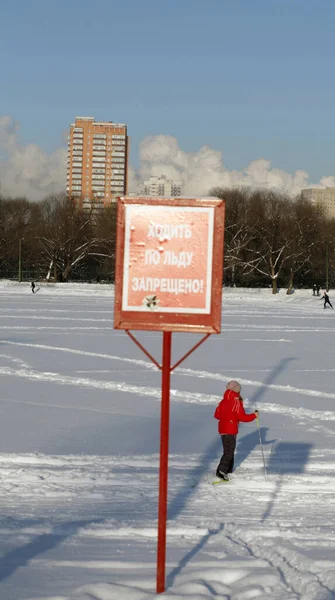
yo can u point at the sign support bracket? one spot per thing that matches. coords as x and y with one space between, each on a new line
143 349
160 367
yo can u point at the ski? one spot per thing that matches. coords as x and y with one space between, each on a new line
220 481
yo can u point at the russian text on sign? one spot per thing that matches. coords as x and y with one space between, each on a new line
172 285
177 259
169 232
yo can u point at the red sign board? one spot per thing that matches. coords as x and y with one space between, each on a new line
169 264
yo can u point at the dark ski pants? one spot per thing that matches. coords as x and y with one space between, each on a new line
226 463
327 302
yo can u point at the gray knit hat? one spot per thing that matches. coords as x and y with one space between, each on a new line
234 385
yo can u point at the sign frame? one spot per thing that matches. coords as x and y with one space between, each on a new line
209 322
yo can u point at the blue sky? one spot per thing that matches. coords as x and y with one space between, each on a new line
251 78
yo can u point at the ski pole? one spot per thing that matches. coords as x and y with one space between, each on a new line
260 441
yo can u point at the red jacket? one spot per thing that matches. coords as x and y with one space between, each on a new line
230 412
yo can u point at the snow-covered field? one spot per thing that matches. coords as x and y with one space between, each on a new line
79 449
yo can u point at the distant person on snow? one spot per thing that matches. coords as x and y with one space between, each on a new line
32 287
229 413
318 290
314 289
326 300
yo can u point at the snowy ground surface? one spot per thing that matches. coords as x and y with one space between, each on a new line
79 445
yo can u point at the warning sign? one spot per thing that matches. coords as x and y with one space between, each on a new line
167 260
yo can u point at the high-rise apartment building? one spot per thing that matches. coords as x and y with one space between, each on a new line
97 161
322 198
162 186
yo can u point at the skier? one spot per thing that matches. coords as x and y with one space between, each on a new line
314 289
32 287
326 300
318 290
229 413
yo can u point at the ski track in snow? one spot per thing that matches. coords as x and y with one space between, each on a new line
177 395
258 538
147 365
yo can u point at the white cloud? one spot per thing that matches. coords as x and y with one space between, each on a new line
30 171
327 181
205 169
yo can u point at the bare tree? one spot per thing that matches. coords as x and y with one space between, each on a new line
105 231
239 228
67 238
16 218
303 225
270 248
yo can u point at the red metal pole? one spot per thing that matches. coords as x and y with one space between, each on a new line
163 464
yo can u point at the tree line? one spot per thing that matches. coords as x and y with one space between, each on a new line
270 240
56 240
274 240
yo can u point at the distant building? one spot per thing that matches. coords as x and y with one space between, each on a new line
323 199
162 186
97 161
